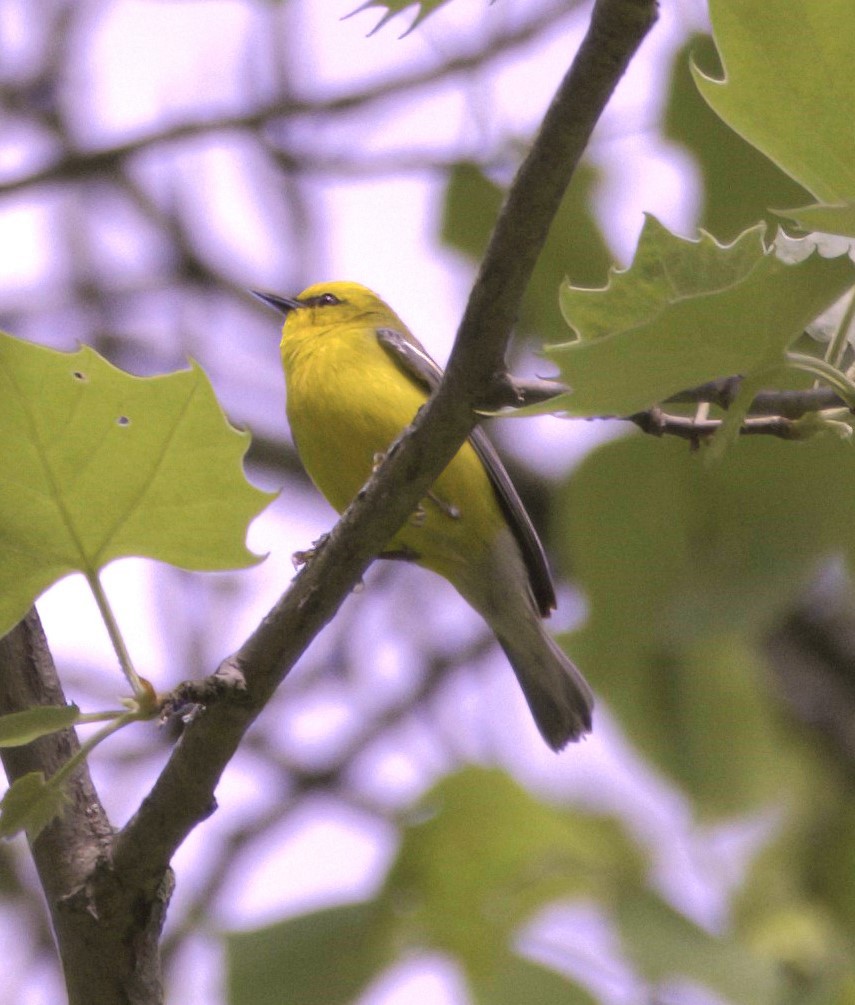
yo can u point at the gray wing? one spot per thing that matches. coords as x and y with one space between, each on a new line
417 364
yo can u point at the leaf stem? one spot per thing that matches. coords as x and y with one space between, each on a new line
87 718
89 745
837 346
728 431
141 692
825 371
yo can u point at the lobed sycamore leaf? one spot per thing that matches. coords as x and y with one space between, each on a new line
788 88
684 313
395 7
98 464
739 183
19 728
664 270
29 805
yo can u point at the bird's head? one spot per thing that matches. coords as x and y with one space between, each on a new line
324 305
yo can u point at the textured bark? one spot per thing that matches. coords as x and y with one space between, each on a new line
107 933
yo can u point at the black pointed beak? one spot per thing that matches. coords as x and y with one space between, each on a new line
281 304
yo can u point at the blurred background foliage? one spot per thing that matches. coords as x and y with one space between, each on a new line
393 831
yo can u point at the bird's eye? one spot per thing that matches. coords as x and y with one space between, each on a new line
328 300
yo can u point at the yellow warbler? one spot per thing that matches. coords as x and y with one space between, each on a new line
355 377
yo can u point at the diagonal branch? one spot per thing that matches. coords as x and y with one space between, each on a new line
183 794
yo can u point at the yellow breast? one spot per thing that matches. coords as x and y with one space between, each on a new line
347 401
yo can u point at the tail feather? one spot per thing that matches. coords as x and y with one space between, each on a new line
497 587
558 695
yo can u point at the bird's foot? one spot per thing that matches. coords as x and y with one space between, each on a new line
301 558
448 508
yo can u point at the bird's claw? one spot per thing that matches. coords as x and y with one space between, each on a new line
301 558
448 508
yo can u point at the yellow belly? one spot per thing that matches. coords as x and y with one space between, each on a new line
344 425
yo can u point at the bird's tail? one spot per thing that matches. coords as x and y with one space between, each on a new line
557 694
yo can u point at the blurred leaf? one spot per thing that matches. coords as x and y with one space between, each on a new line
484 858
489 856
801 942
516 980
740 184
831 854
19 728
29 805
793 907
788 86
99 465
395 7
472 203
685 313
324 958
684 565
724 732
574 247
664 946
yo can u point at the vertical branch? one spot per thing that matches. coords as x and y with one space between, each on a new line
109 951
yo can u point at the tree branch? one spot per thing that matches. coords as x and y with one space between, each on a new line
789 404
72 854
772 413
183 794
658 423
75 164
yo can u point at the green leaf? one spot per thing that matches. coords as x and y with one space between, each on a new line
324 958
574 247
482 858
29 805
802 941
395 7
665 270
684 566
830 219
99 464
793 908
490 854
19 728
830 854
515 980
685 313
740 184
665 946
788 87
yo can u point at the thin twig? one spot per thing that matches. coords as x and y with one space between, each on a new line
789 404
75 164
659 423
